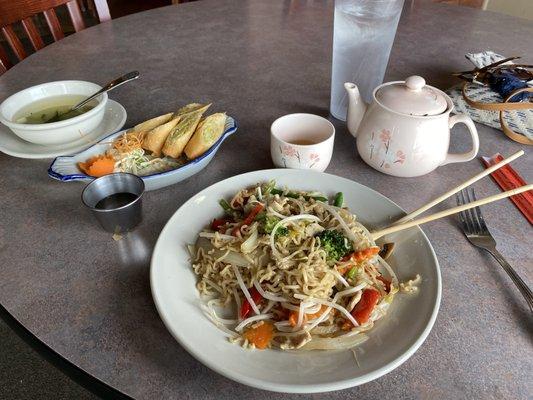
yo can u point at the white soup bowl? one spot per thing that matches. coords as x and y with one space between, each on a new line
60 132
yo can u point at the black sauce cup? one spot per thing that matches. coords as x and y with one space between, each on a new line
118 219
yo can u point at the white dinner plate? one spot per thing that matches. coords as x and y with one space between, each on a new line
114 119
392 341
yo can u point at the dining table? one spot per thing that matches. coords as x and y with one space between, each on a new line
84 297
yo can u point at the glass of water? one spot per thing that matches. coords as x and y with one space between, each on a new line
363 34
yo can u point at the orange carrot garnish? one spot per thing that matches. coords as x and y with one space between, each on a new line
98 166
261 335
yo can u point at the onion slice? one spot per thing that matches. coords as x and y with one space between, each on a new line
212 235
337 343
247 321
251 243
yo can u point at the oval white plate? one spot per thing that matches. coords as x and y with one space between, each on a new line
392 341
66 169
114 119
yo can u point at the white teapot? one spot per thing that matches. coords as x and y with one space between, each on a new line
405 131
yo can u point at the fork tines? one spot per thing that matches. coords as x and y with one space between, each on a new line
472 220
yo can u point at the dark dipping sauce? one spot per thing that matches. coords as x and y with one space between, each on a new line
115 200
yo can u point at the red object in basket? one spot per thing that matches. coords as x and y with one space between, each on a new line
507 178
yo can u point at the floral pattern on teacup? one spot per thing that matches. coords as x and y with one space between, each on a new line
314 158
380 149
289 153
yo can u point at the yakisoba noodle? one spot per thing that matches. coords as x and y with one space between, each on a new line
297 272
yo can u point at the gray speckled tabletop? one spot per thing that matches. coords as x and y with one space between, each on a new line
88 297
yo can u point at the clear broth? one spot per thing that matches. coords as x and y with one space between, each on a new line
52 109
303 142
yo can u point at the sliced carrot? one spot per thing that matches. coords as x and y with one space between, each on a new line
261 335
358 256
293 315
98 166
83 166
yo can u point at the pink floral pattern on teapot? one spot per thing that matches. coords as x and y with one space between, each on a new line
380 148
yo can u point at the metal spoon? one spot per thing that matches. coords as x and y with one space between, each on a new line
110 86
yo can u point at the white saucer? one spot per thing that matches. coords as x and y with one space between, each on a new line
114 119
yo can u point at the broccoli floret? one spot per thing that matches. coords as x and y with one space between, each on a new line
335 244
282 231
268 222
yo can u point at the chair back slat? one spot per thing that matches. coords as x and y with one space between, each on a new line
5 64
23 11
102 9
53 23
75 15
33 33
12 11
14 42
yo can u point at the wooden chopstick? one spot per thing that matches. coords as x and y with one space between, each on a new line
454 210
475 178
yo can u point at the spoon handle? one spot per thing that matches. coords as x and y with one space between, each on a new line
110 86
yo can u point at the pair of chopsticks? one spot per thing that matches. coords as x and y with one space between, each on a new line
408 222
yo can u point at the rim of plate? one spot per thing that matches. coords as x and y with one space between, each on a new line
299 388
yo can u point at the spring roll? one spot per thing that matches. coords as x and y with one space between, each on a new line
189 108
151 123
182 132
207 133
155 138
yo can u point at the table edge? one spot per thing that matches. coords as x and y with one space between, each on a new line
80 376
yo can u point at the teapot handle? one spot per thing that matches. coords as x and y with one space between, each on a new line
469 155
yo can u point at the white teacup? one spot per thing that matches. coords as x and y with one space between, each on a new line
302 141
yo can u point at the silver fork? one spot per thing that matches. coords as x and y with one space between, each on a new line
478 234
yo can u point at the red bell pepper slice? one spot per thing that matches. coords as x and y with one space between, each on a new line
249 218
218 223
246 306
364 308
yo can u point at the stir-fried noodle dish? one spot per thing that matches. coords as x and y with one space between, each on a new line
295 272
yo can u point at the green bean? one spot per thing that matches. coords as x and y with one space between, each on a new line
338 200
225 205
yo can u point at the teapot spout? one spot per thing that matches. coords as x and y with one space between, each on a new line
356 108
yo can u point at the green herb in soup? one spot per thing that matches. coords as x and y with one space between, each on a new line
52 109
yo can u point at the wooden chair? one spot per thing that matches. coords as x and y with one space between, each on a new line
14 11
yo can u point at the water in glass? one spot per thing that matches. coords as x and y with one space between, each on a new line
363 34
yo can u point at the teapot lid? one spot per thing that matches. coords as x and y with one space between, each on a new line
412 97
